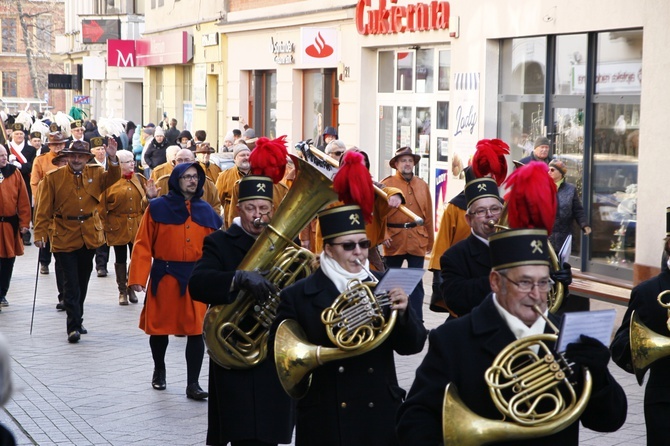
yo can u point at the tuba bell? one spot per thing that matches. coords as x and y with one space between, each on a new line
355 323
530 386
236 334
647 346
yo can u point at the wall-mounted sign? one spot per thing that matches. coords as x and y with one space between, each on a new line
319 47
164 49
61 82
210 39
399 19
283 51
121 53
82 100
99 31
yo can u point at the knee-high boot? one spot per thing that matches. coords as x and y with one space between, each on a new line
129 291
121 282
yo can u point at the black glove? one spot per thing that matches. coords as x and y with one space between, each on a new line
255 283
590 353
562 275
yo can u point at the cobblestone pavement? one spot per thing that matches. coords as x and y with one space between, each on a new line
98 392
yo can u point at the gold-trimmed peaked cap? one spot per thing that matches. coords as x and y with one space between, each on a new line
480 188
255 187
341 220
77 123
519 247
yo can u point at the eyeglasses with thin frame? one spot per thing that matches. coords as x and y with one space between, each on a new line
528 285
481 212
350 246
128 162
193 177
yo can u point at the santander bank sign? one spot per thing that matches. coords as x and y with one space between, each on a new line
395 19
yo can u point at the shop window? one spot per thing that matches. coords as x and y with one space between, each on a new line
9 82
424 71
385 69
444 70
404 70
9 36
264 103
320 103
589 107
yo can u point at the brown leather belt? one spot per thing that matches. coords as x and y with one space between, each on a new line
407 225
75 217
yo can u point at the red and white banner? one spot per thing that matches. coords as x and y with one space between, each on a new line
121 53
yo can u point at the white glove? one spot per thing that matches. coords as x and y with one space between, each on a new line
17 164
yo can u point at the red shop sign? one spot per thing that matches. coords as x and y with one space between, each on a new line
398 19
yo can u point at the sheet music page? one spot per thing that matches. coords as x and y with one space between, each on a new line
564 254
405 278
596 324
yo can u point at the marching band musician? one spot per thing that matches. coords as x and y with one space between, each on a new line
643 301
351 401
246 407
461 350
171 233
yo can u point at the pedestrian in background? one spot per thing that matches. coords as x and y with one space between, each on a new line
168 243
14 220
408 241
569 207
67 213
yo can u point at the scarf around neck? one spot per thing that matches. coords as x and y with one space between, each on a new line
339 275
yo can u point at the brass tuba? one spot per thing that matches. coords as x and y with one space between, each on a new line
355 323
647 346
236 334
532 391
557 292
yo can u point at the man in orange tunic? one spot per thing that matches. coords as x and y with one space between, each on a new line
172 231
14 220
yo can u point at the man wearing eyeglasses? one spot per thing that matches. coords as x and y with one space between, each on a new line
463 350
335 149
245 406
465 266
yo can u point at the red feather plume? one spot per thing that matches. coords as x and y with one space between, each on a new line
353 183
531 202
489 159
268 158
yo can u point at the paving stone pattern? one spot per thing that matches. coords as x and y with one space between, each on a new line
98 392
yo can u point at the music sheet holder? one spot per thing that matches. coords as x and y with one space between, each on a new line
405 278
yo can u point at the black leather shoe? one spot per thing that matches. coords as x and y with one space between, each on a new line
3 302
73 337
83 330
60 306
102 272
194 392
158 381
44 269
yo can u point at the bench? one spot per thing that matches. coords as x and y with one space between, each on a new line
601 288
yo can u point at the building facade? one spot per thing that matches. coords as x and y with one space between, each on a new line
27 39
439 76
107 88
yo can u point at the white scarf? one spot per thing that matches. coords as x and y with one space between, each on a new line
339 275
518 328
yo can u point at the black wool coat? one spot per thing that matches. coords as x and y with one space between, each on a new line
657 394
460 351
569 209
465 275
243 404
352 401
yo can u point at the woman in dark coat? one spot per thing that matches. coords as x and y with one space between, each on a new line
569 206
350 401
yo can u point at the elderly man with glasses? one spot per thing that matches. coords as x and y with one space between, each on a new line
467 264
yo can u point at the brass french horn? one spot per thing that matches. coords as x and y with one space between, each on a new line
236 334
532 389
647 346
355 323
